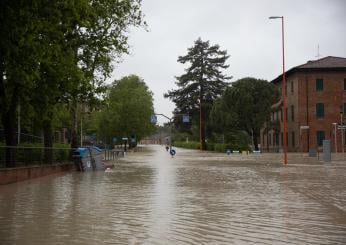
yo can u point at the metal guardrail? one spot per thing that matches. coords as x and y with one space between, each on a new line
113 154
29 156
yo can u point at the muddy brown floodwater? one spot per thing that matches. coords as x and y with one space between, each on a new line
194 198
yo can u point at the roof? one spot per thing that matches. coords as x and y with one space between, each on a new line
329 63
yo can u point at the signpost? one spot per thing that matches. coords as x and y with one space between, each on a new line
343 126
153 118
186 118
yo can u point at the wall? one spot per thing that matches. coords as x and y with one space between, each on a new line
333 96
12 175
304 98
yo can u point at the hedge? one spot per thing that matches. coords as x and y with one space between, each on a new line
211 146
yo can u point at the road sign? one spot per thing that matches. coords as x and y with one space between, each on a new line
153 118
186 118
304 127
341 126
172 152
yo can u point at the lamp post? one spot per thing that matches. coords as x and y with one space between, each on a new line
170 129
283 87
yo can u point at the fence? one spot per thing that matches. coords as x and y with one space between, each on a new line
27 156
110 155
25 138
34 139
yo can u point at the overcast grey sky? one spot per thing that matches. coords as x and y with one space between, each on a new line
241 27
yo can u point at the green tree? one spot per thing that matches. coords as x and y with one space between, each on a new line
245 106
64 48
98 42
129 105
202 83
20 52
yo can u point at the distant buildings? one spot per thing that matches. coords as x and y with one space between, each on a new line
316 104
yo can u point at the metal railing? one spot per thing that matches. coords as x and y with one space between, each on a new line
112 154
29 156
30 138
24 138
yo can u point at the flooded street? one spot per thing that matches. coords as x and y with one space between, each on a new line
194 198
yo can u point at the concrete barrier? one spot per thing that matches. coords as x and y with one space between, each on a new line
12 175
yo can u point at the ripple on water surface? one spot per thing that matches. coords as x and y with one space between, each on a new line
154 199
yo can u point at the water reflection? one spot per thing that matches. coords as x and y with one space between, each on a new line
150 198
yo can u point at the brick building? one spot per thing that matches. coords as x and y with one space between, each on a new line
316 105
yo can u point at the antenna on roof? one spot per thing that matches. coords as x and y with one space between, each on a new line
318 52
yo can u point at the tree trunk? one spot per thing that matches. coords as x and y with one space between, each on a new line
48 140
255 141
202 127
9 122
74 125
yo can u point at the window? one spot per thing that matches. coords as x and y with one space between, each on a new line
319 110
319 84
320 137
292 113
345 84
344 109
292 87
293 139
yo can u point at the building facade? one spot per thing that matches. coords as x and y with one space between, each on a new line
316 108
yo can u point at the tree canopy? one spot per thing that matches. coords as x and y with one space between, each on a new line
245 106
58 51
203 81
127 111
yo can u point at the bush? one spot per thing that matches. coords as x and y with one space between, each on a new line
188 145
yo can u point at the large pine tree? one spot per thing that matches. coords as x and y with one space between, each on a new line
202 82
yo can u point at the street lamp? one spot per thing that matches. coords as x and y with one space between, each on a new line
283 87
